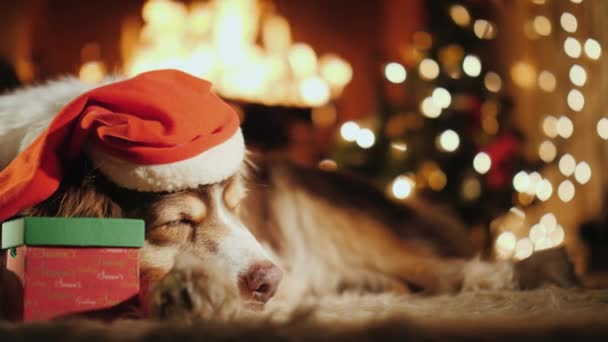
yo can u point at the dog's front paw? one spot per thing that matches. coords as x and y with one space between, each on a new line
193 290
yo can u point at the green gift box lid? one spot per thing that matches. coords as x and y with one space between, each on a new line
72 231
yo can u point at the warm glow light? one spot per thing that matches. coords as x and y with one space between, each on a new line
242 48
460 15
572 47
547 151
471 188
593 50
557 236
537 233
565 191
437 180
429 108
550 126
482 162
303 60
449 140
92 72
567 165
565 127
335 70
521 181
402 187
542 25
576 100
582 173
276 34
568 22
328 165
544 190
535 179
549 221
602 128
349 131
546 81
441 98
324 116
578 75
484 29
492 82
395 72
523 74
523 249
365 138
399 146
428 69
505 243
314 91
471 65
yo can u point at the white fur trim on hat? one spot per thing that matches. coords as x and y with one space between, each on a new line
211 166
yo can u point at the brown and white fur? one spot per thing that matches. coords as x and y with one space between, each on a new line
275 230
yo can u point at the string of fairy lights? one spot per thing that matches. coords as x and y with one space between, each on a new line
516 238
520 243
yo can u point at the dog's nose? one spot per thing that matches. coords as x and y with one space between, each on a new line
262 280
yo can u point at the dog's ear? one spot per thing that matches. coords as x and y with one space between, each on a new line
78 196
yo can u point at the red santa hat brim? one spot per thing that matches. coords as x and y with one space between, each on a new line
160 131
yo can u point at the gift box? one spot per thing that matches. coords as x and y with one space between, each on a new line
60 266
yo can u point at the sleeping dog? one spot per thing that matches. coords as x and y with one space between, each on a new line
220 244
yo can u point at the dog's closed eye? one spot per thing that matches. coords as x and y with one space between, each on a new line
181 221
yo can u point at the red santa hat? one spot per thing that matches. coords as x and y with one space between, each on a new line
159 131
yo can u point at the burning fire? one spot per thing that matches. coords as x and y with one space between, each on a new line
217 40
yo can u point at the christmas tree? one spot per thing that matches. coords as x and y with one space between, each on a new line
443 130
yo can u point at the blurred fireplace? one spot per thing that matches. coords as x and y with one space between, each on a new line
45 39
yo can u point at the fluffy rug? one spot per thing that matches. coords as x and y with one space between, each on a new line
550 314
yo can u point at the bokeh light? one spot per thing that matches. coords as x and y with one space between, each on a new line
441 97
542 25
449 140
576 100
349 131
572 47
550 126
578 75
365 138
568 22
482 162
565 128
523 74
428 69
429 108
471 65
566 191
602 128
544 190
402 187
314 91
546 81
521 181
567 164
523 249
484 29
505 243
582 173
395 72
547 151
593 49
460 15
493 82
